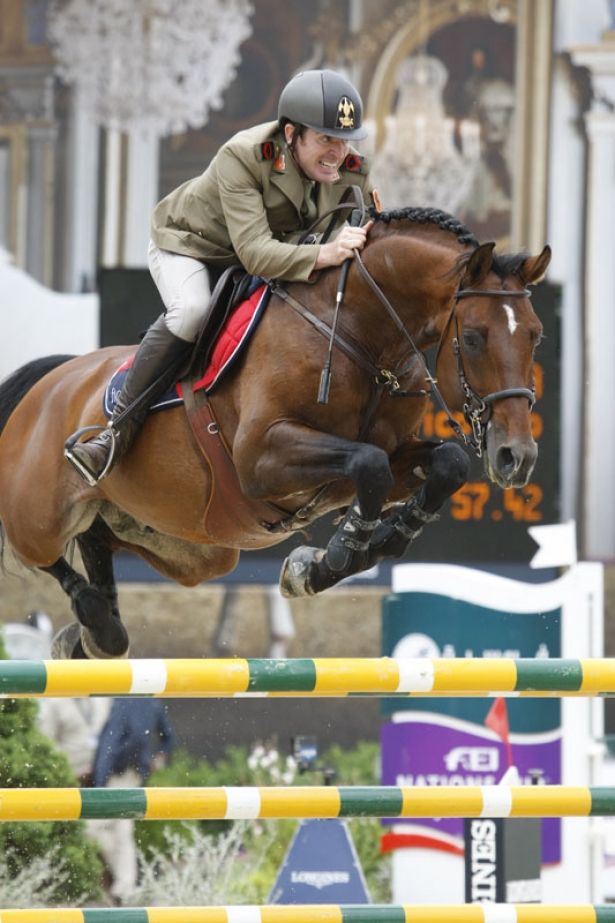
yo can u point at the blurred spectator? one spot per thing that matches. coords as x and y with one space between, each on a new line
135 740
29 640
74 725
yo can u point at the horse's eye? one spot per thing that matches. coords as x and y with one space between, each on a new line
472 339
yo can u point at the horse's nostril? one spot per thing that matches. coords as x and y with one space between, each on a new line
506 461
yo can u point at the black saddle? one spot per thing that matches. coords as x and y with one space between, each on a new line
233 287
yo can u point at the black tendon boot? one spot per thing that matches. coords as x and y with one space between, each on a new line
154 368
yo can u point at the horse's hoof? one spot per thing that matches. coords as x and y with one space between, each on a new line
94 652
67 644
294 574
103 635
77 643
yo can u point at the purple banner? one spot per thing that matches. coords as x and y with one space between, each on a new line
434 749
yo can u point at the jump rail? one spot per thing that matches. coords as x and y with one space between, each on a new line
307 677
324 677
325 913
248 803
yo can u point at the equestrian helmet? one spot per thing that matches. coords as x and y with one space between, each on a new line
325 101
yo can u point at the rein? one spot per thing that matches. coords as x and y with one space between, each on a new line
475 407
353 349
345 205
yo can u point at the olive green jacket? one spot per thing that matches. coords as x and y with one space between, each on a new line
251 206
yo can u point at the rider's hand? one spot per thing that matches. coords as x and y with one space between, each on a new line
348 240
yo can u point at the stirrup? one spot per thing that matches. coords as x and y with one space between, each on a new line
78 464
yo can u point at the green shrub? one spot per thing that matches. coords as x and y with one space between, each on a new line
199 869
28 759
265 840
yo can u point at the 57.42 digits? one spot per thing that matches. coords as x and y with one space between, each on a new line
479 500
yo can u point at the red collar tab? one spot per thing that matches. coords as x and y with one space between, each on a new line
353 163
269 150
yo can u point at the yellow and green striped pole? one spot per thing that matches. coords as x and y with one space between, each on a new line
384 676
325 913
250 802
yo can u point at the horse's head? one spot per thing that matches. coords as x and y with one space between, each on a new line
485 358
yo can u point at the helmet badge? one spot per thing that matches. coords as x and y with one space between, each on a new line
345 113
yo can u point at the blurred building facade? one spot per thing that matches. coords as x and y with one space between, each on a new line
501 111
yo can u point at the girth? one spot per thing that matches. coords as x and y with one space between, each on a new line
231 519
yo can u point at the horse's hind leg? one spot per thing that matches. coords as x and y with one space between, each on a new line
448 471
94 603
106 636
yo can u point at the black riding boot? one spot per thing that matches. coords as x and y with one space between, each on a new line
154 368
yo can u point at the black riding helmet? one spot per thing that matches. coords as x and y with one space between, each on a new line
325 101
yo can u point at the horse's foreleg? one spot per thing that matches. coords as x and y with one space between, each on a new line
308 571
448 471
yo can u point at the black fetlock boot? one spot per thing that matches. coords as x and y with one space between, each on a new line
396 532
347 550
154 368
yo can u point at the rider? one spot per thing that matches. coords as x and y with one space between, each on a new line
260 193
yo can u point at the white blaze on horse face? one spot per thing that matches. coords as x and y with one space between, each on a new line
510 314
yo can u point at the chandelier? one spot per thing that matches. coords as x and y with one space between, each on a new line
422 161
156 65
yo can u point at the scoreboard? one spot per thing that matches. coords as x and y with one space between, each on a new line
482 523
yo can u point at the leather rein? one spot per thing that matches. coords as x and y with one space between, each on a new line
476 409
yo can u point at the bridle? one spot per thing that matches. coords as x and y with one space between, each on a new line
477 409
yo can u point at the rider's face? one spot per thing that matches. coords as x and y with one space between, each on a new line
319 156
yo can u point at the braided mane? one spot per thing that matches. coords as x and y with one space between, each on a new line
503 264
427 216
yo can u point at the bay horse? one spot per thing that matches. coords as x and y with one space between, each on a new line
422 280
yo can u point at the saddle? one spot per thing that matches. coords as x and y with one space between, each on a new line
232 288
238 302
219 344
230 517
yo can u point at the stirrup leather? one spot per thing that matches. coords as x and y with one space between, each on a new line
78 465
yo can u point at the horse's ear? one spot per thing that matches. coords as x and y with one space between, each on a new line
533 268
478 266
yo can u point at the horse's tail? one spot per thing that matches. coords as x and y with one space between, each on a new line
16 385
